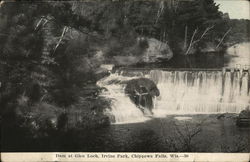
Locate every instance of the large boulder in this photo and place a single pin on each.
(126, 60)
(156, 51)
(243, 120)
(141, 92)
(145, 50)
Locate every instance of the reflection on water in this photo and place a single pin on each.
(199, 60)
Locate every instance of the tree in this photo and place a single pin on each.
(20, 49)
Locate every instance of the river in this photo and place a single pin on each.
(196, 111)
(202, 100)
(181, 92)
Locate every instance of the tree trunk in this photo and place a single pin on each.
(191, 42)
(185, 38)
(65, 29)
(223, 38)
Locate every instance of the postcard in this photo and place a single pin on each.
(125, 80)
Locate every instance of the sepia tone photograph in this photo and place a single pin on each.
(133, 76)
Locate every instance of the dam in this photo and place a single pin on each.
(182, 91)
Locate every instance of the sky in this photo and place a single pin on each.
(237, 9)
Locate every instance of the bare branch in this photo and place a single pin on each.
(38, 23)
(201, 37)
(203, 34)
(206, 30)
(65, 29)
(223, 37)
(45, 22)
(160, 10)
(191, 42)
(185, 37)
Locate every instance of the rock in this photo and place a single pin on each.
(101, 73)
(141, 92)
(221, 116)
(126, 60)
(245, 114)
(243, 120)
(108, 67)
(146, 50)
(156, 51)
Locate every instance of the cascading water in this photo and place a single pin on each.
(201, 92)
(181, 92)
(122, 108)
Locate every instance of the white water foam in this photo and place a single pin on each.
(122, 107)
(186, 92)
(181, 92)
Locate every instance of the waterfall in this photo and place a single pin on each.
(181, 92)
(201, 92)
(122, 108)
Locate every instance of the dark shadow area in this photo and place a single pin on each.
(199, 60)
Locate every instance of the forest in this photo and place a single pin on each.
(51, 54)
